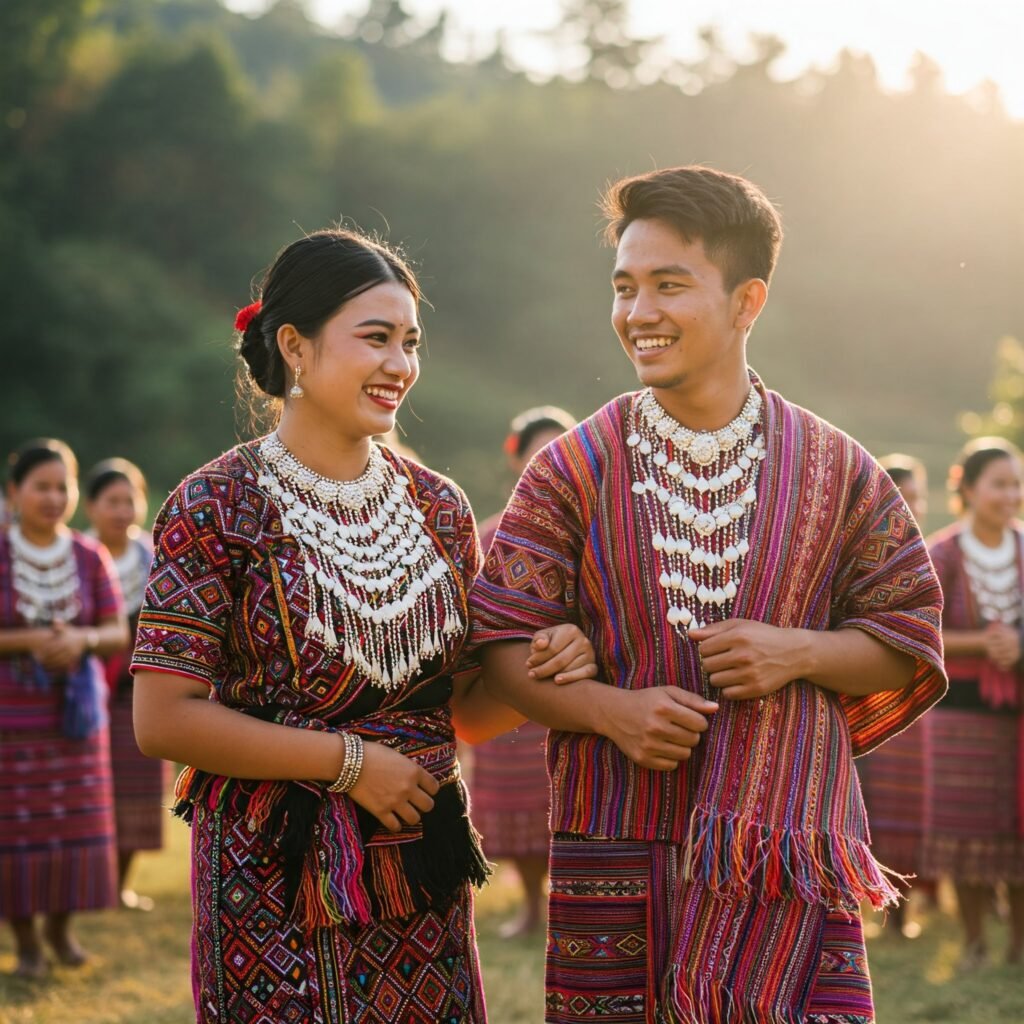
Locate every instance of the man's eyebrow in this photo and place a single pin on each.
(671, 270)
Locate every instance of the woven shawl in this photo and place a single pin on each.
(769, 810)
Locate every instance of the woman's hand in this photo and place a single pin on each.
(62, 649)
(393, 787)
(563, 652)
(1002, 645)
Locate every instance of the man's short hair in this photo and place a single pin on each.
(740, 229)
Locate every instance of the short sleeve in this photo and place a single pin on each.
(889, 589)
(184, 619)
(529, 578)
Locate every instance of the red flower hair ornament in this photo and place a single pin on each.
(247, 315)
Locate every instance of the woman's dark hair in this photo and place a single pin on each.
(902, 468)
(527, 425)
(974, 458)
(35, 453)
(310, 280)
(111, 471)
(740, 229)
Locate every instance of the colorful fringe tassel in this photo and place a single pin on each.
(740, 858)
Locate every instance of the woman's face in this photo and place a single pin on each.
(117, 508)
(915, 494)
(994, 498)
(46, 498)
(359, 370)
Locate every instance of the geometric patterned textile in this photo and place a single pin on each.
(251, 966)
(140, 783)
(972, 808)
(974, 746)
(609, 914)
(832, 546)
(768, 809)
(893, 782)
(227, 603)
(613, 910)
(57, 852)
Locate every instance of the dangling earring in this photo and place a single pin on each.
(296, 389)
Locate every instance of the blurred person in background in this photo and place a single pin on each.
(300, 648)
(60, 612)
(116, 506)
(510, 779)
(974, 819)
(892, 777)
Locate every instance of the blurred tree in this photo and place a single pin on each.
(203, 140)
(601, 28)
(1005, 418)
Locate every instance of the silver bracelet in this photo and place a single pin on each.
(353, 765)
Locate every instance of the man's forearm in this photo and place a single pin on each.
(582, 706)
(853, 662)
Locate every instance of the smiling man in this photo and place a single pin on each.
(763, 609)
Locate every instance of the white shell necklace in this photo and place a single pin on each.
(379, 589)
(993, 575)
(132, 573)
(700, 521)
(45, 579)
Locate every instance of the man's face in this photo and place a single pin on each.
(671, 311)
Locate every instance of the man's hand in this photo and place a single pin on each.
(657, 727)
(746, 659)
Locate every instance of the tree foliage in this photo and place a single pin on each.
(157, 154)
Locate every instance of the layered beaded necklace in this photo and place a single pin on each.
(379, 589)
(132, 573)
(994, 576)
(45, 579)
(699, 490)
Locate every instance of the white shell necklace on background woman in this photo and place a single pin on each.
(132, 573)
(699, 490)
(994, 576)
(379, 589)
(45, 579)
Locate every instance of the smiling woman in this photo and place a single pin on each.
(300, 647)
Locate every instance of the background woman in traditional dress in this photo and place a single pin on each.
(510, 778)
(59, 611)
(115, 502)
(974, 824)
(892, 777)
(300, 648)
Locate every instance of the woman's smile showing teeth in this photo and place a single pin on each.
(384, 395)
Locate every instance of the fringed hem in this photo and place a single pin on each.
(714, 1002)
(739, 858)
(333, 875)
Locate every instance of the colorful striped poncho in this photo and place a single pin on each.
(769, 807)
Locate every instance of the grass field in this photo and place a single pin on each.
(139, 973)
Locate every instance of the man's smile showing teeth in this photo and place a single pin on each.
(644, 344)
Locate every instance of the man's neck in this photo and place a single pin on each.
(707, 406)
